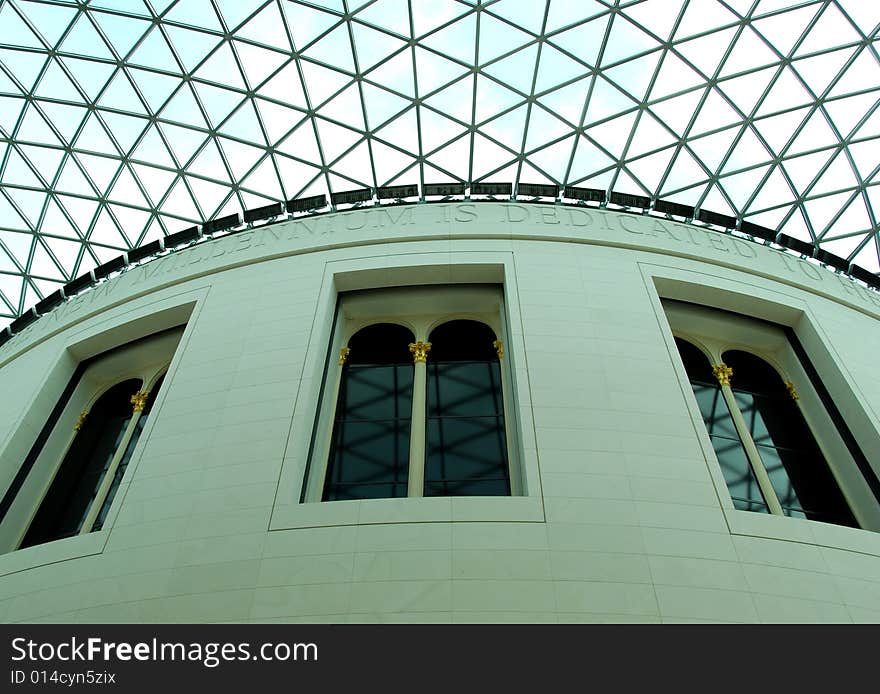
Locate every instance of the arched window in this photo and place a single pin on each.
(73, 491)
(738, 473)
(122, 466)
(797, 469)
(465, 439)
(369, 449)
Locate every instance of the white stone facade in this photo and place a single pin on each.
(624, 515)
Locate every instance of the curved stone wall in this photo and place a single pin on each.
(623, 514)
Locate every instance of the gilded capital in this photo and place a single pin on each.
(420, 351)
(723, 373)
(499, 348)
(343, 355)
(81, 420)
(792, 391)
(139, 400)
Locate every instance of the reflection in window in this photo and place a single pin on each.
(369, 451)
(79, 478)
(794, 462)
(466, 448)
(126, 456)
(738, 473)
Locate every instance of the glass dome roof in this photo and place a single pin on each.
(122, 121)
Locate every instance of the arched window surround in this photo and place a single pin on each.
(421, 310)
(146, 360)
(716, 333)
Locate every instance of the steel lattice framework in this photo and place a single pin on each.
(122, 121)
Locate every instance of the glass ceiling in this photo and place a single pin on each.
(122, 121)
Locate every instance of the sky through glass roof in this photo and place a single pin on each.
(122, 121)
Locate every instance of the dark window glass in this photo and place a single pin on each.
(797, 468)
(738, 473)
(123, 463)
(369, 449)
(66, 504)
(466, 447)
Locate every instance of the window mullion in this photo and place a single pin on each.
(723, 373)
(138, 401)
(416, 477)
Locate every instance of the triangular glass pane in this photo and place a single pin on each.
(402, 132)
(437, 130)
(83, 39)
(258, 63)
(286, 87)
(10, 288)
(864, 154)
(749, 53)
(741, 186)
(605, 101)
(372, 46)
(685, 172)
(130, 221)
(244, 125)
(634, 76)
(613, 134)
(650, 169)
(675, 76)
(34, 128)
(64, 117)
(456, 100)
(80, 210)
(321, 82)
(90, 75)
(716, 202)
(154, 52)
(389, 14)
(746, 90)
(222, 69)
(454, 158)
(218, 103)
(55, 84)
(381, 104)
(267, 28)
(784, 29)
(195, 13)
(498, 37)
(277, 119)
(294, 175)
(837, 176)
(555, 68)
(123, 32)
(346, 107)
(650, 135)
(676, 113)
(44, 159)
(488, 157)
(553, 160)
(625, 183)
(715, 113)
(846, 113)
(152, 149)
(241, 157)
(301, 143)
(66, 252)
(192, 47)
(126, 190)
(700, 17)
(210, 196)
(73, 180)
(120, 95)
(30, 202)
(264, 179)
(657, 16)
(180, 204)
(802, 170)
(815, 135)
(582, 42)
(18, 172)
(779, 130)
(568, 102)
(356, 165)
(822, 211)
(396, 75)
(749, 150)
(428, 16)
(457, 40)
(183, 141)
(774, 192)
(389, 162)
(50, 20)
(155, 181)
(543, 129)
(24, 66)
(306, 24)
(100, 169)
(528, 15)
(155, 88)
(492, 99)
(335, 139)
(333, 49)
(125, 129)
(94, 138)
(705, 53)
(820, 70)
(711, 149)
(509, 128)
(10, 110)
(831, 30)
(563, 12)
(107, 233)
(517, 70)
(209, 163)
(626, 40)
(864, 70)
(434, 71)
